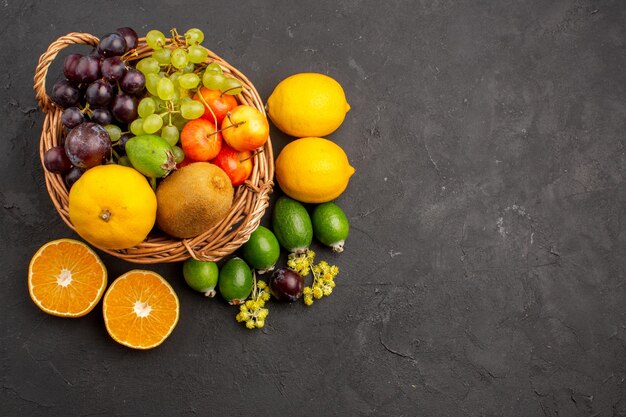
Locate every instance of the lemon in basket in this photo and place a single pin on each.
(308, 104)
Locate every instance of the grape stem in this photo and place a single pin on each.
(206, 105)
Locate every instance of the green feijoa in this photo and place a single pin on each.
(292, 225)
(262, 250)
(151, 155)
(330, 225)
(201, 276)
(235, 281)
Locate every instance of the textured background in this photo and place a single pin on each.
(485, 271)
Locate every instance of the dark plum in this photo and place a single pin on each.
(72, 117)
(65, 94)
(112, 44)
(133, 81)
(102, 116)
(123, 139)
(130, 36)
(69, 67)
(286, 285)
(113, 68)
(88, 69)
(72, 176)
(88, 145)
(99, 93)
(56, 161)
(124, 108)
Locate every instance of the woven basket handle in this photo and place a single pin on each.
(74, 38)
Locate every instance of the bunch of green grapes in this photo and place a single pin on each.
(173, 74)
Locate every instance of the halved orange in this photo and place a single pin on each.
(66, 278)
(140, 309)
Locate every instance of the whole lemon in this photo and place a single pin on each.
(313, 170)
(308, 104)
(112, 207)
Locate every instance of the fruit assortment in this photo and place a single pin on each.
(163, 140)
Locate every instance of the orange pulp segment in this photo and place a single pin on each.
(66, 278)
(140, 309)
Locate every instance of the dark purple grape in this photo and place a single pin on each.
(73, 175)
(88, 69)
(99, 93)
(55, 160)
(123, 139)
(102, 116)
(133, 81)
(88, 145)
(113, 68)
(124, 108)
(130, 36)
(69, 67)
(72, 117)
(65, 94)
(112, 44)
(286, 285)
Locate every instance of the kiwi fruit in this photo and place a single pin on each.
(193, 199)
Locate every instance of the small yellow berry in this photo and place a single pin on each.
(262, 314)
(327, 291)
(265, 296)
(250, 324)
(260, 323)
(308, 300)
(307, 290)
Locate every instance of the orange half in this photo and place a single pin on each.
(66, 278)
(140, 309)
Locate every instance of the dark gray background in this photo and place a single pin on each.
(485, 271)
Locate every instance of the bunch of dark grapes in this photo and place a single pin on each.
(99, 98)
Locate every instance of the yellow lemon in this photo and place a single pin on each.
(313, 170)
(308, 104)
(112, 207)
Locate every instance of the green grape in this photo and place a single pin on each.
(171, 134)
(212, 80)
(231, 86)
(160, 104)
(152, 81)
(152, 123)
(155, 39)
(124, 161)
(197, 54)
(146, 107)
(179, 58)
(163, 56)
(114, 132)
(165, 89)
(148, 66)
(190, 67)
(191, 109)
(174, 77)
(189, 81)
(137, 127)
(179, 155)
(179, 121)
(194, 36)
(214, 67)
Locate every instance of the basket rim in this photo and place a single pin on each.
(250, 201)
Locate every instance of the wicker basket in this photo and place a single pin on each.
(250, 201)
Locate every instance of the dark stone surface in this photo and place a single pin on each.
(485, 271)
